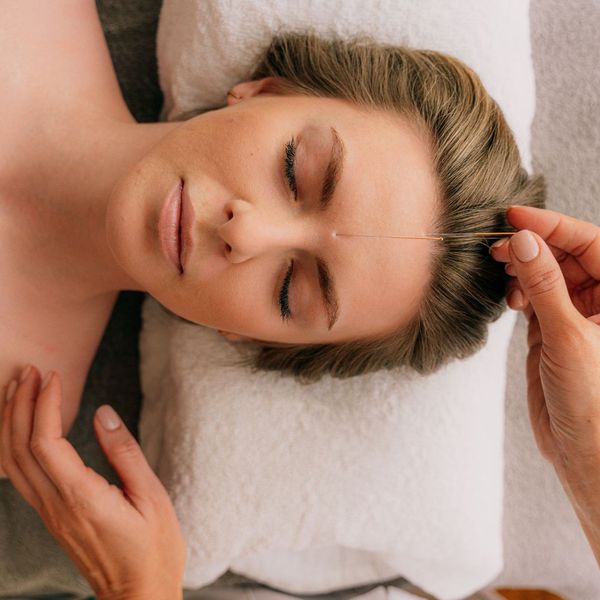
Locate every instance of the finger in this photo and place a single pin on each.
(14, 428)
(501, 252)
(56, 456)
(8, 463)
(529, 312)
(580, 239)
(574, 273)
(23, 449)
(140, 483)
(543, 283)
(515, 298)
(8, 388)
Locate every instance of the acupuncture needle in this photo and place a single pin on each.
(436, 236)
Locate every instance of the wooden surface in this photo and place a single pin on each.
(510, 594)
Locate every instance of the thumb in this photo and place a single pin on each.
(542, 281)
(126, 457)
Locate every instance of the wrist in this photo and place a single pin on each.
(580, 479)
(582, 476)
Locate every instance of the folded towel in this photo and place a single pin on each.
(331, 485)
(341, 483)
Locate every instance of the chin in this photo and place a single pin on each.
(131, 229)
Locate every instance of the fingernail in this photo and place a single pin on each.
(25, 372)
(108, 417)
(47, 379)
(499, 243)
(524, 246)
(516, 299)
(510, 269)
(10, 392)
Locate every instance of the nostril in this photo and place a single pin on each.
(228, 247)
(229, 214)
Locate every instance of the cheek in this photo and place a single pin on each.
(238, 299)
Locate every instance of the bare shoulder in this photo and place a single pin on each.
(56, 52)
(54, 64)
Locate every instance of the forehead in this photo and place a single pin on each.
(388, 187)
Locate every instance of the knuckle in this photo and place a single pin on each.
(79, 499)
(39, 448)
(20, 454)
(54, 522)
(127, 447)
(77, 503)
(560, 255)
(542, 281)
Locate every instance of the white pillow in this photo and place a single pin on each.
(205, 47)
(344, 482)
(335, 484)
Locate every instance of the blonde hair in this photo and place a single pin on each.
(479, 173)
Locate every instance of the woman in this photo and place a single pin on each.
(326, 137)
(421, 147)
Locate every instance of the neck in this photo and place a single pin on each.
(62, 197)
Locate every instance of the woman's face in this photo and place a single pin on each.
(249, 226)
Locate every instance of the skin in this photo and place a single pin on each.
(88, 196)
(232, 161)
(557, 272)
(86, 182)
(96, 225)
(247, 224)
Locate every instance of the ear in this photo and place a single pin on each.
(234, 337)
(248, 89)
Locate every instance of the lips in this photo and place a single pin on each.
(187, 219)
(169, 225)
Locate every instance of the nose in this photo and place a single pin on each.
(252, 230)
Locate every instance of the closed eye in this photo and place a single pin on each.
(283, 294)
(289, 167)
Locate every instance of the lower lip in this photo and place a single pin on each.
(169, 226)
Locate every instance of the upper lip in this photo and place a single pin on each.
(185, 226)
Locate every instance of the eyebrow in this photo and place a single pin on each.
(333, 173)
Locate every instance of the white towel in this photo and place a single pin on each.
(342, 483)
(337, 484)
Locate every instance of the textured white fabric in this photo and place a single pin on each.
(341, 483)
(336, 484)
(204, 47)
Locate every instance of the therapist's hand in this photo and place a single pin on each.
(561, 299)
(127, 543)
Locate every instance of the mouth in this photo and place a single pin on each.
(185, 232)
(169, 226)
